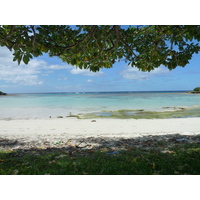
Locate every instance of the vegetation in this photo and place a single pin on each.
(141, 114)
(95, 47)
(197, 89)
(180, 159)
(2, 93)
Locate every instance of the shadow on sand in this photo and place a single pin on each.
(109, 144)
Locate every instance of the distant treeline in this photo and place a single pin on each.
(195, 91)
(3, 93)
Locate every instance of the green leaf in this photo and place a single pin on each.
(19, 59)
(26, 59)
(15, 58)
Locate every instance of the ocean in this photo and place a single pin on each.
(43, 105)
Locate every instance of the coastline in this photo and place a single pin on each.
(44, 133)
(46, 113)
(43, 121)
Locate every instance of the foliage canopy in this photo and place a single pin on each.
(94, 47)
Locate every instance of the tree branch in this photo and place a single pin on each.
(80, 41)
(34, 36)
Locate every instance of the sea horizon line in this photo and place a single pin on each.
(101, 92)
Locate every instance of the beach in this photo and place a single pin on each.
(62, 119)
(54, 132)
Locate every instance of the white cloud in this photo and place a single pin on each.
(19, 74)
(60, 79)
(56, 67)
(135, 74)
(86, 72)
(23, 74)
(89, 80)
(31, 74)
(69, 88)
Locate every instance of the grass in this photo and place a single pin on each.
(180, 159)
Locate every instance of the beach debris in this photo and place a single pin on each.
(167, 151)
(153, 166)
(181, 139)
(53, 161)
(15, 172)
(57, 143)
(110, 145)
(6, 142)
(115, 152)
(59, 116)
(93, 120)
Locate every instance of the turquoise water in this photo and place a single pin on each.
(41, 105)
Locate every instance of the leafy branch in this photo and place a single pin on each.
(93, 47)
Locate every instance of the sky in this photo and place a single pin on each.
(50, 74)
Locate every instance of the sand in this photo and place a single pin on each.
(86, 127)
(38, 131)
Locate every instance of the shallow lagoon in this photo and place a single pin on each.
(193, 111)
(62, 104)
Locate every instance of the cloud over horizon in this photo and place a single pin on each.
(86, 72)
(135, 74)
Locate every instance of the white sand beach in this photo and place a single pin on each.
(94, 127)
(63, 129)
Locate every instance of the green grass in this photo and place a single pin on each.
(179, 159)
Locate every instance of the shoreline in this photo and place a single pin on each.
(46, 113)
(43, 133)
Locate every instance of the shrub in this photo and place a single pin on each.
(197, 89)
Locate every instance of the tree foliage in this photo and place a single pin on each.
(197, 89)
(94, 47)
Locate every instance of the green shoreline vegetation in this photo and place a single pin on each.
(167, 112)
(195, 91)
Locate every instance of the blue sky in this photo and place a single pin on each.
(45, 74)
